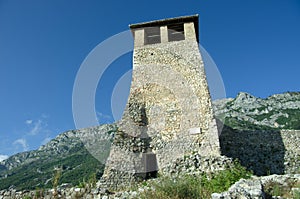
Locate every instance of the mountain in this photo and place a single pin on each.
(247, 112)
(69, 154)
(66, 153)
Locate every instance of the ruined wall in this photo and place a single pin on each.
(263, 152)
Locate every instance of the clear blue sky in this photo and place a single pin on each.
(255, 44)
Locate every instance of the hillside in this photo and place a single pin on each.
(32, 169)
(247, 112)
(35, 169)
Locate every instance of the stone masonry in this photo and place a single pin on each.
(169, 111)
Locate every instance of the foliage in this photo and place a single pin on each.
(38, 174)
(197, 186)
(234, 123)
(284, 190)
(292, 121)
(56, 177)
(39, 193)
(55, 180)
(88, 183)
(93, 180)
(261, 117)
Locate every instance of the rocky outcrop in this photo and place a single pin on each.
(280, 111)
(274, 186)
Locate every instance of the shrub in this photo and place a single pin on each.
(273, 189)
(196, 186)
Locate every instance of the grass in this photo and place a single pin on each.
(284, 190)
(196, 186)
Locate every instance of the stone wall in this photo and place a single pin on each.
(264, 152)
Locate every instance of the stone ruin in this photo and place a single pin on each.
(169, 111)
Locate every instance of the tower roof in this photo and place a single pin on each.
(170, 21)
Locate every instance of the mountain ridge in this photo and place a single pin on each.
(268, 113)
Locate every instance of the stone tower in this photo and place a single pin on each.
(169, 112)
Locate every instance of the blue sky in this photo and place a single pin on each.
(255, 44)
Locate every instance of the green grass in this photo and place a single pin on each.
(196, 186)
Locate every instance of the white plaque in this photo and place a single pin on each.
(196, 130)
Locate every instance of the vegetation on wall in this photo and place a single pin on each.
(196, 186)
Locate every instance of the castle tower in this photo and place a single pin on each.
(169, 111)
